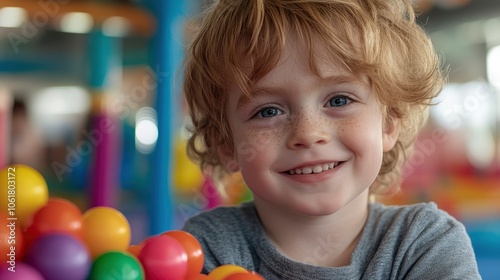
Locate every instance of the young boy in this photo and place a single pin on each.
(317, 104)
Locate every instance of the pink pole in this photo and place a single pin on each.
(105, 165)
(5, 125)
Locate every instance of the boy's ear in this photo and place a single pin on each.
(390, 133)
(226, 155)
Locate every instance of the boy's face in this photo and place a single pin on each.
(307, 144)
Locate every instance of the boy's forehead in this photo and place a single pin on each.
(328, 66)
(314, 55)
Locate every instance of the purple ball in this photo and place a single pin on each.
(21, 271)
(59, 256)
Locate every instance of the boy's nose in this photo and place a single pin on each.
(305, 133)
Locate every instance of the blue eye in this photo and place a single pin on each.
(339, 101)
(269, 112)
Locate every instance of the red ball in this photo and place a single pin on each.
(192, 248)
(163, 258)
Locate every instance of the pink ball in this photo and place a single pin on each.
(163, 258)
(22, 272)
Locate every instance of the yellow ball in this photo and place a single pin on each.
(187, 176)
(223, 271)
(23, 191)
(105, 229)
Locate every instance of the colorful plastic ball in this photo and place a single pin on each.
(58, 215)
(116, 266)
(187, 176)
(199, 277)
(193, 249)
(244, 276)
(163, 258)
(59, 256)
(105, 229)
(22, 272)
(22, 189)
(10, 235)
(223, 271)
(135, 249)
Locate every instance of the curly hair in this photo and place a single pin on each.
(242, 40)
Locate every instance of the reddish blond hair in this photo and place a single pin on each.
(376, 38)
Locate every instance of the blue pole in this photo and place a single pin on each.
(168, 56)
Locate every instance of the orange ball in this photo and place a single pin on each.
(223, 271)
(135, 249)
(58, 215)
(244, 276)
(192, 248)
(105, 229)
(199, 277)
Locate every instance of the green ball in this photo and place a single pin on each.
(116, 266)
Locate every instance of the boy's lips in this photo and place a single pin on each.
(313, 168)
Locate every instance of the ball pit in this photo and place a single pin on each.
(52, 239)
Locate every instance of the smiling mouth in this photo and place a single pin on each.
(315, 169)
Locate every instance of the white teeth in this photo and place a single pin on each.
(307, 170)
(317, 169)
(314, 169)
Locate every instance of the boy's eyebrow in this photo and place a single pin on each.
(245, 99)
(260, 91)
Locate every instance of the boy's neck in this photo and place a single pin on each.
(323, 241)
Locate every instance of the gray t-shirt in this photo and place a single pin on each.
(397, 242)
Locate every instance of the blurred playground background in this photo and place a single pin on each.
(90, 97)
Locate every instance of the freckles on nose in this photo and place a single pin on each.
(303, 123)
(305, 128)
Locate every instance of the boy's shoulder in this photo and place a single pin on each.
(413, 215)
(412, 240)
(414, 222)
(423, 208)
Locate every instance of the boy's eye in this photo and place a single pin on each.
(339, 101)
(269, 112)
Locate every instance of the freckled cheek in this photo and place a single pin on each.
(265, 136)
